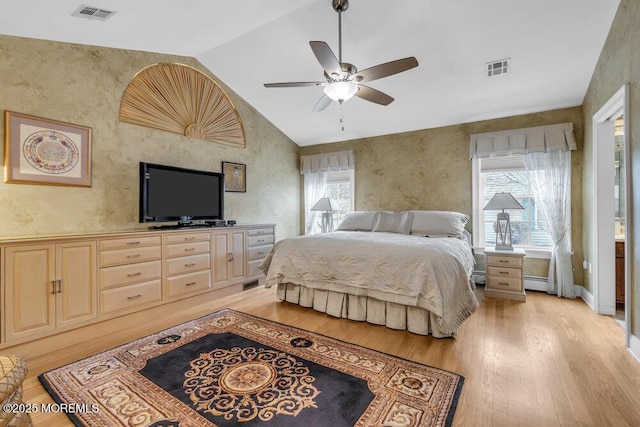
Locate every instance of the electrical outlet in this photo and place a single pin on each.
(584, 264)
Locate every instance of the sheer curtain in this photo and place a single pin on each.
(550, 177)
(314, 186)
(314, 167)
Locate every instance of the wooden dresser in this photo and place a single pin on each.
(505, 278)
(54, 284)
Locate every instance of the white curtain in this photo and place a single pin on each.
(314, 167)
(314, 186)
(550, 177)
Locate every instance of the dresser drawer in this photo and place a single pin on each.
(259, 252)
(130, 242)
(259, 231)
(504, 261)
(501, 272)
(111, 277)
(113, 300)
(129, 255)
(191, 248)
(187, 283)
(266, 239)
(253, 268)
(187, 264)
(187, 237)
(504, 284)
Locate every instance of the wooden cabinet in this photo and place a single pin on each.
(227, 254)
(504, 278)
(620, 272)
(49, 287)
(130, 273)
(51, 284)
(259, 242)
(187, 264)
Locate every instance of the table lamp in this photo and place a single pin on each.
(502, 201)
(327, 206)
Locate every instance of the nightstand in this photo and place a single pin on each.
(505, 278)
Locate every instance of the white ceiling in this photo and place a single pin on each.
(553, 46)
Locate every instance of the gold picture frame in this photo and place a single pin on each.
(235, 177)
(46, 152)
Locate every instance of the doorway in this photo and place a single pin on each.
(607, 220)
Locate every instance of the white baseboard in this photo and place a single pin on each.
(634, 346)
(588, 298)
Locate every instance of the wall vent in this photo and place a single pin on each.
(91, 12)
(497, 68)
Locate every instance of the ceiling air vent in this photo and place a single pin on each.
(496, 68)
(91, 12)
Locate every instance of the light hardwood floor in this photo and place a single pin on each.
(545, 362)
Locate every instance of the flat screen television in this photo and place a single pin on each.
(169, 193)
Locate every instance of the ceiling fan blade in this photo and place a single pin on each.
(373, 95)
(322, 103)
(327, 59)
(294, 84)
(386, 69)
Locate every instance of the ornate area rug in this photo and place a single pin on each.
(231, 368)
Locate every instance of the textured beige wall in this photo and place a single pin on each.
(83, 85)
(619, 63)
(430, 169)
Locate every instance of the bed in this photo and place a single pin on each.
(406, 270)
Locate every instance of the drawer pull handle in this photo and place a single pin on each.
(503, 283)
(190, 283)
(134, 274)
(230, 256)
(504, 260)
(134, 297)
(190, 249)
(260, 240)
(133, 243)
(190, 238)
(133, 256)
(191, 264)
(261, 253)
(504, 272)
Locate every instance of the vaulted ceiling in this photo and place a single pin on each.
(553, 46)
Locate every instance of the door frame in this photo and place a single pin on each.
(602, 208)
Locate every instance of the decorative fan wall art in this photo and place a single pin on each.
(180, 99)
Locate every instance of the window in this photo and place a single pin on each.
(506, 174)
(339, 187)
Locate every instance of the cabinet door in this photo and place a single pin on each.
(228, 257)
(76, 269)
(220, 257)
(236, 264)
(29, 290)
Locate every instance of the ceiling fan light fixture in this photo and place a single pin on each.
(341, 91)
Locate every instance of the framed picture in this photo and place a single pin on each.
(43, 151)
(235, 177)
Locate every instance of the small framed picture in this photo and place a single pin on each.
(235, 177)
(48, 152)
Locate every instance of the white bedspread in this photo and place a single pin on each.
(431, 273)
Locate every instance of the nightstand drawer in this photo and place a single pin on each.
(503, 272)
(504, 284)
(504, 260)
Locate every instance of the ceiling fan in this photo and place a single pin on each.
(343, 79)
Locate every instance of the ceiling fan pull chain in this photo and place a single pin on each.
(341, 117)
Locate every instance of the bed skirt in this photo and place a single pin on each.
(362, 308)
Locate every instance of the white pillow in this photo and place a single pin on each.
(358, 221)
(393, 222)
(438, 223)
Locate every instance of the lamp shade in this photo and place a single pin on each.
(341, 91)
(326, 205)
(502, 201)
